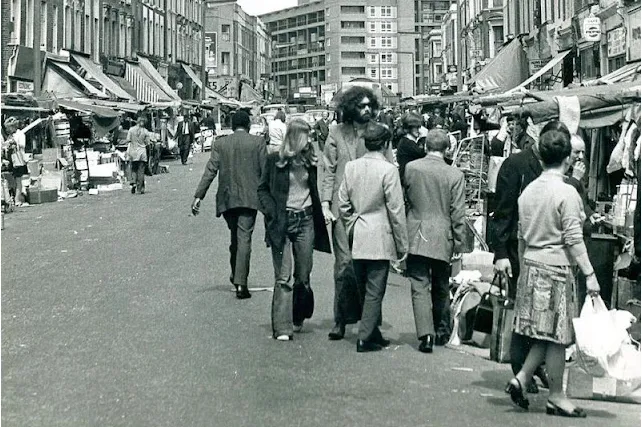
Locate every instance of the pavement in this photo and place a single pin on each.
(117, 311)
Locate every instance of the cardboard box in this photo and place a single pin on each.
(38, 195)
(580, 385)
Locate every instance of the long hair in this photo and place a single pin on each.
(296, 146)
(352, 97)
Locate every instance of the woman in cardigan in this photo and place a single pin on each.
(289, 200)
(551, 250)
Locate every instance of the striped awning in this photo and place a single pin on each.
(79, 81)
(155, 76)
(94, 71)
(146, 89)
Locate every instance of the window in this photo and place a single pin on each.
(225, 33)
(352, 9)
(386, 27)
(386, 42)
(373, 42)
(373, 73)
(54, 38)
(386, 73)
(353, 25)
(386, 58)
(361, 71)
(386, 11)
(352, 40)
(372, 12)
(437, 18)
(353, 55)
(373, 58)
(373, 27)
(436, 49)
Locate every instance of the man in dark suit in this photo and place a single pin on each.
(240, 159)
(185, 136)
(322, 128)
(436, 211)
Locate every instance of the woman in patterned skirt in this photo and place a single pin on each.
(552, 250)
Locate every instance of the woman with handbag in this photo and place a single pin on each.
(295, 226)
(372, 207)
(551, 250)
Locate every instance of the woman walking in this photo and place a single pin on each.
(551, 250)
(276, 132)
(295, 226)
(371, 206)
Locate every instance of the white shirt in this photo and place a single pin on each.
(277, 131)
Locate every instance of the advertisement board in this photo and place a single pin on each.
(210, 50)
(616, 42)
(633, 37)
(592, 29)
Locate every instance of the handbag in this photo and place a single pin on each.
(302, 302)
(502, 331)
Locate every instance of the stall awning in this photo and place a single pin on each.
(64, 72)
(249, 94)
(157, 78)
(146, 89)
(128, 107)
(209, 93)
(505, 71)
(553, 62)
(630, 72)
(192, 75)
(93, 70)
(103, 119)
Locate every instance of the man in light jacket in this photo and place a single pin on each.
(436, 228)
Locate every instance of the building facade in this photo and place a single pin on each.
(319, 45)
(238, 49)
(429, 15)
(109, 32)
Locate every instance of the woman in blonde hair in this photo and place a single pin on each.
(295, 226)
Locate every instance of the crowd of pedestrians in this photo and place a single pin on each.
(413, 211)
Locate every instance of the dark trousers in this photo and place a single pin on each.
(347, 304)
(240, 221)
(429, 283)
(520, 345)
(184, 149)
(297, 253)
(372, 277)
(138, 175)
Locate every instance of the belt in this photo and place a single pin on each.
(295, 213)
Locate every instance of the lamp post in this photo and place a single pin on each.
(203, 70)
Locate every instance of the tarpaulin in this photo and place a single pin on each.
(103, 119)
(505, 71)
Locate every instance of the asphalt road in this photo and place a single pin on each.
(117, 311)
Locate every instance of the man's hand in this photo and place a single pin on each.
(592, 286)
(327, 213)
(579, 169)
(503, 266)
(196, 206)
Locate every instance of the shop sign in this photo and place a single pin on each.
(616, 42)
(331, 87)
(633, 36)
(592, 29)
(535, 65)
(24, 87)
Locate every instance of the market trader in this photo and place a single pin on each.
(240, 159)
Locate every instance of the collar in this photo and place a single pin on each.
(553, 173)
(436, 157)
(374, 155)
(411, 137)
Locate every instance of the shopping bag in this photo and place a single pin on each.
(600, 336)
(502, 331)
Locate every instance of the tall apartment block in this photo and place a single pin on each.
(319, 45)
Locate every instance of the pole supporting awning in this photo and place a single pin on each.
(552, 63)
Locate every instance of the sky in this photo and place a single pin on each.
(258, 7)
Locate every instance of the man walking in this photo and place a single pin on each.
(240, 159)
(322, 127)
(436, 229)
(344, 143)
(185, 136)
(138, 140)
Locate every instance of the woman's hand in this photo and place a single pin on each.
(592, 286)
(327, 213)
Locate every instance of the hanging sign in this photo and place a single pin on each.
(592, 29)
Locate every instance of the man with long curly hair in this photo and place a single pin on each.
(358, 106)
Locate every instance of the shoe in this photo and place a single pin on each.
(133, 189)
(532, 388)
(553, 409)
(298, 327)
(366, 346)
(283, 337)
(514, 388)
(243, 293)
(442, 339)
(542, 374)
(142, 191)
(379, 339)
(338, 332)
(425, 345)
